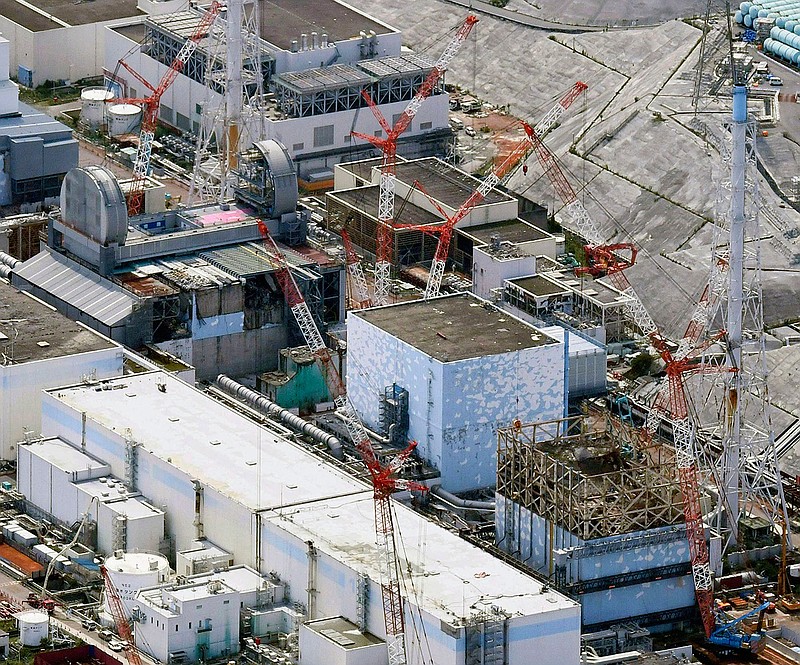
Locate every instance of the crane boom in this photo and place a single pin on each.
(383, 476)
(150, 106)
(121, 622)
(358, 282)
(388, 146)
(436, 274)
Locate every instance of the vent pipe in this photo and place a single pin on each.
(263, 404)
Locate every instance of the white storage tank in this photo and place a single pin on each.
(94, 106)
(33, 627)
(123, 119)
(131, 571)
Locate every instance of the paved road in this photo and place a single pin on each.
(523, 19)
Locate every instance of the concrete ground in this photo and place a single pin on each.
(647, 168)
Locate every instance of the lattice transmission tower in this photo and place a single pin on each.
(232, 117)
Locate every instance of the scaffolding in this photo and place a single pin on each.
(571, 472)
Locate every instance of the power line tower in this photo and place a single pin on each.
(232, 117)
(746, 471)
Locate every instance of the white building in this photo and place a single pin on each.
(42, 349)
(199, 619)
(62, 40)
(279, 509)
(65, 482)
(316, 57)
(468, 367)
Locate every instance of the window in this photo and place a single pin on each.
(190, 625)
(151, 619)
(348, 138)
(297, 147)
(378, 133)
(183, 122)
(395, 118)
(323, 136)
(166, 114)
(176, 627)
(198, 109)
(425, 125)
(226, 602)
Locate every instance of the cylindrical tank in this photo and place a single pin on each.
(748, 21)
(131, 571)
(93, 105)
(33, 627)
(745, 7)
(123, 119)
(738, 16)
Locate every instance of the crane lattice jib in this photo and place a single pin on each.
(121, 622)
(384, 480)
(555, 113)
(388, 146)
(432, 79)
(141, 163)
(357, 278)
(491, 181)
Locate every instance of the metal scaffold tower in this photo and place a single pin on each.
(747, 467)
(232, 119)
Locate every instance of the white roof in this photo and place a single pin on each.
(240, 578)
(452, 577)
(64, 457)
(132, 507)
(208, 441)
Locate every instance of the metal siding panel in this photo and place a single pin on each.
(27, 158)
(60, 156)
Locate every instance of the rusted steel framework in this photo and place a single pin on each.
(575, 478)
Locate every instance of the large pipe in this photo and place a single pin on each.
(458, 502)
(267, 406)
(5, 272)
(8, 260)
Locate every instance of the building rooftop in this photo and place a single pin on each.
(79, 286)
(445, 183)
(239, 578)
(539, 286)
(66, 12)
(30, 330)
(207, 440)
(512, 230)
(119, 499)
(65, 457)
(31, 121)
(455, 327)
(457, 578)
(343, 633)
(365, 199)
(283, 21)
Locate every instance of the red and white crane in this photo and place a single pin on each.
(121, 622)
(489, 183)
(383, 476)
(150, 106)
(388, 146)
(611, 261)
(359, 293)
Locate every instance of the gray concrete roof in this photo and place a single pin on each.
(31, 330)
(67, 11)
(284, 20)
(455, 327)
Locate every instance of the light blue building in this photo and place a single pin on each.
(468, 369)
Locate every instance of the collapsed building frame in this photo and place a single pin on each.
(591, 495)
